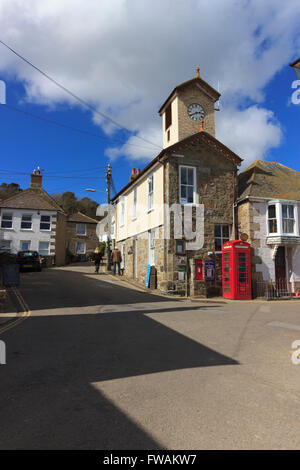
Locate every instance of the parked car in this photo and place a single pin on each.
(29, 260)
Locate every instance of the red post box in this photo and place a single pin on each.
(236, 270)
(199, 270)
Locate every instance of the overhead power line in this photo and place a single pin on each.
(80, 100)
(67, 126)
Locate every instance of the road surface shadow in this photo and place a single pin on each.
(46, 392)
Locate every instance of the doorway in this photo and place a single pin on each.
(280, 269)
(135, 257)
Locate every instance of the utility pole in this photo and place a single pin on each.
(108, 181)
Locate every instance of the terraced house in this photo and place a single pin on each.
(32, 220)
(193, 169)
(268, 209)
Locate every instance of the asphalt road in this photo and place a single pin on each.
(100, 365)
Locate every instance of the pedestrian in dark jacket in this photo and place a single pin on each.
(97, 259)
(116, 259)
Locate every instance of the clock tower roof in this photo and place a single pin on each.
(206, 88)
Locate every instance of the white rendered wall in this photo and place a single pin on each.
(35, 235)
(267, 268)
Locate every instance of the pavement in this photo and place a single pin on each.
(102, 365)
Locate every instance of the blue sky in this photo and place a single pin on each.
(126, 67)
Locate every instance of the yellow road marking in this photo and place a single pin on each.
(26, 312)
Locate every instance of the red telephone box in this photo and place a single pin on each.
(236, 270)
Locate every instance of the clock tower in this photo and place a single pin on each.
(189, 108)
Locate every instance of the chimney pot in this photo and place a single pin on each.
(132, 176)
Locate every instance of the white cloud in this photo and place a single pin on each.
(125, 57)
(251, 133)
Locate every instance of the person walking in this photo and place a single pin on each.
(97, 259)
(116, 259)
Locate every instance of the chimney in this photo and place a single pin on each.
(36, 179)
(138, 171)
(132, 176)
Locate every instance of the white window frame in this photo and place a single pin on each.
(11, 217)
(151, 245)
(25, 241)
(288, 218)
(43, 222)
(3, 249)
(279, 203)
(276, 216)
(79, 232)
(122, 212)
(134, 203)
(181, 200)
(84, 247)
(150, 192)
(26, 221)
(222, 238)
(43, 251)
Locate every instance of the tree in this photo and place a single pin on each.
(87, 206)
(7, 190)
(70, 204)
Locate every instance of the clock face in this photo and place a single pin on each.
(196, 112)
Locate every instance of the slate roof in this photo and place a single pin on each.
(31, 198)
(186, 143)
(269, 179)
(79, 217)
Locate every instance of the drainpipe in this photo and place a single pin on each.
(233, 205)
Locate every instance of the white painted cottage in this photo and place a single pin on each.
(32, 220)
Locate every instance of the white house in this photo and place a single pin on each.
(32, 220)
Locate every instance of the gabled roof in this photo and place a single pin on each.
(296, 63)
(270, 180)
(196, 80)
(31, 198)
(186, 143)
(79, 217)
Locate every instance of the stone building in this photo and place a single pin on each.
(32, 220)
(194, 176)
(268, 210)
(81, 236)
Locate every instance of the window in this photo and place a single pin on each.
(5, 246)
(134, 203)
(26, 222)
(80, 248)
(81, 229)
(44, 248)
(288, 219)
(282, 218)
(222, 235)
(122, 212)
(45, 223)
(6, 221)
(25, 245)
(272, 220)
(180, 246)
(168, 116)
(151, 247)
(187, 184)
(150, 192)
